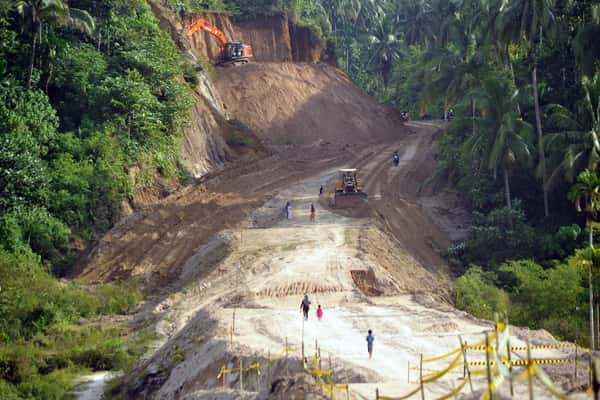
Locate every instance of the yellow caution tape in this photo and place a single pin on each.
(523, 362)
(523, 348)
(455, 391)
(437, 358)
(556, 392)
(417, 390)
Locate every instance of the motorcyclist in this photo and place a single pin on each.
(396, 158)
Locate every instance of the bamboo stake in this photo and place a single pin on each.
(468, 371)
(529, 372)
(421, 378)
(268, 377)
(488, 366)
(510, 368)
(241, 375)
(319, 358)
(408, 373)
(286, 357)
(575, 377)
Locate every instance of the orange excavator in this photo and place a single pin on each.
(231, 52)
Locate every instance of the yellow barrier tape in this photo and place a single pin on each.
(522, 362)
(417, 390)
(336, 385)
(437, 358)
(455, 391)
(556, 392)
(522, 348)
(443, 372)
(478, 345)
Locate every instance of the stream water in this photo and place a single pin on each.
(92, 386)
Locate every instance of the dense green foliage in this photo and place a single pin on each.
(88, 92)
(521, 81)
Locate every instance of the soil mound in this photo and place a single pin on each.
(289, 103)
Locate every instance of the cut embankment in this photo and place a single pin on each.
(288, 103)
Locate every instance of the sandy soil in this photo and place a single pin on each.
(375, 272)
(222, 248)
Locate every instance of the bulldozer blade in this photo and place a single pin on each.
(350, 200)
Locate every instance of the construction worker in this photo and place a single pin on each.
(312, 212)
(305, 306)
(370, 340)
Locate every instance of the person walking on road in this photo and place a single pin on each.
(319, 312)
(321, 190)
(288, 210)
(312, 212)
(305, 306)
(370, 340)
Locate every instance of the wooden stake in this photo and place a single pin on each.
(510, 369)
(421, 378)
(268, 377)
(241, 375)
(233, 322)
(575, 377)
(286, 357)
(408, 372)
(488, 366)
(347, 382)
(376, 393)
(319, 358)
(529, 374)
(466, 368)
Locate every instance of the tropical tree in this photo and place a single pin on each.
(586, 196)
(531, 20)
(387, 46)
(36, 12)
(501, 139)
(579, 148)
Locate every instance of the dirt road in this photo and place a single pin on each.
(378, 272)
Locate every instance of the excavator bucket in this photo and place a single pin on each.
(348, 190)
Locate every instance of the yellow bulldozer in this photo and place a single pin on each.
(348, 190)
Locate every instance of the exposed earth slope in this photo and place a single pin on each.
(225, 271)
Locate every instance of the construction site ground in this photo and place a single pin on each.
(379, 270)
(225, 271)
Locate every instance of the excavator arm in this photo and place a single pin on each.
(203, 24)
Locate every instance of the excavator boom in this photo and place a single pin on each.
(203, 24)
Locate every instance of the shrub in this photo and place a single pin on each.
(477, 294)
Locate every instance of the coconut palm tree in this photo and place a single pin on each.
(387, 45)
(586, 196)
(531, 20)
(36, 12)
(579, 148)
(502, 138)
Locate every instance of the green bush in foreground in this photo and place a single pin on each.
(47, 331)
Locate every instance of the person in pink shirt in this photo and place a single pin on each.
(319, 312)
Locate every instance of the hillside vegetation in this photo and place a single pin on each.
(94, 97)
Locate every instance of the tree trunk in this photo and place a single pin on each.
(591, 294)
(32, 57)
(507, 188)
(473, 116)
(538, 124)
